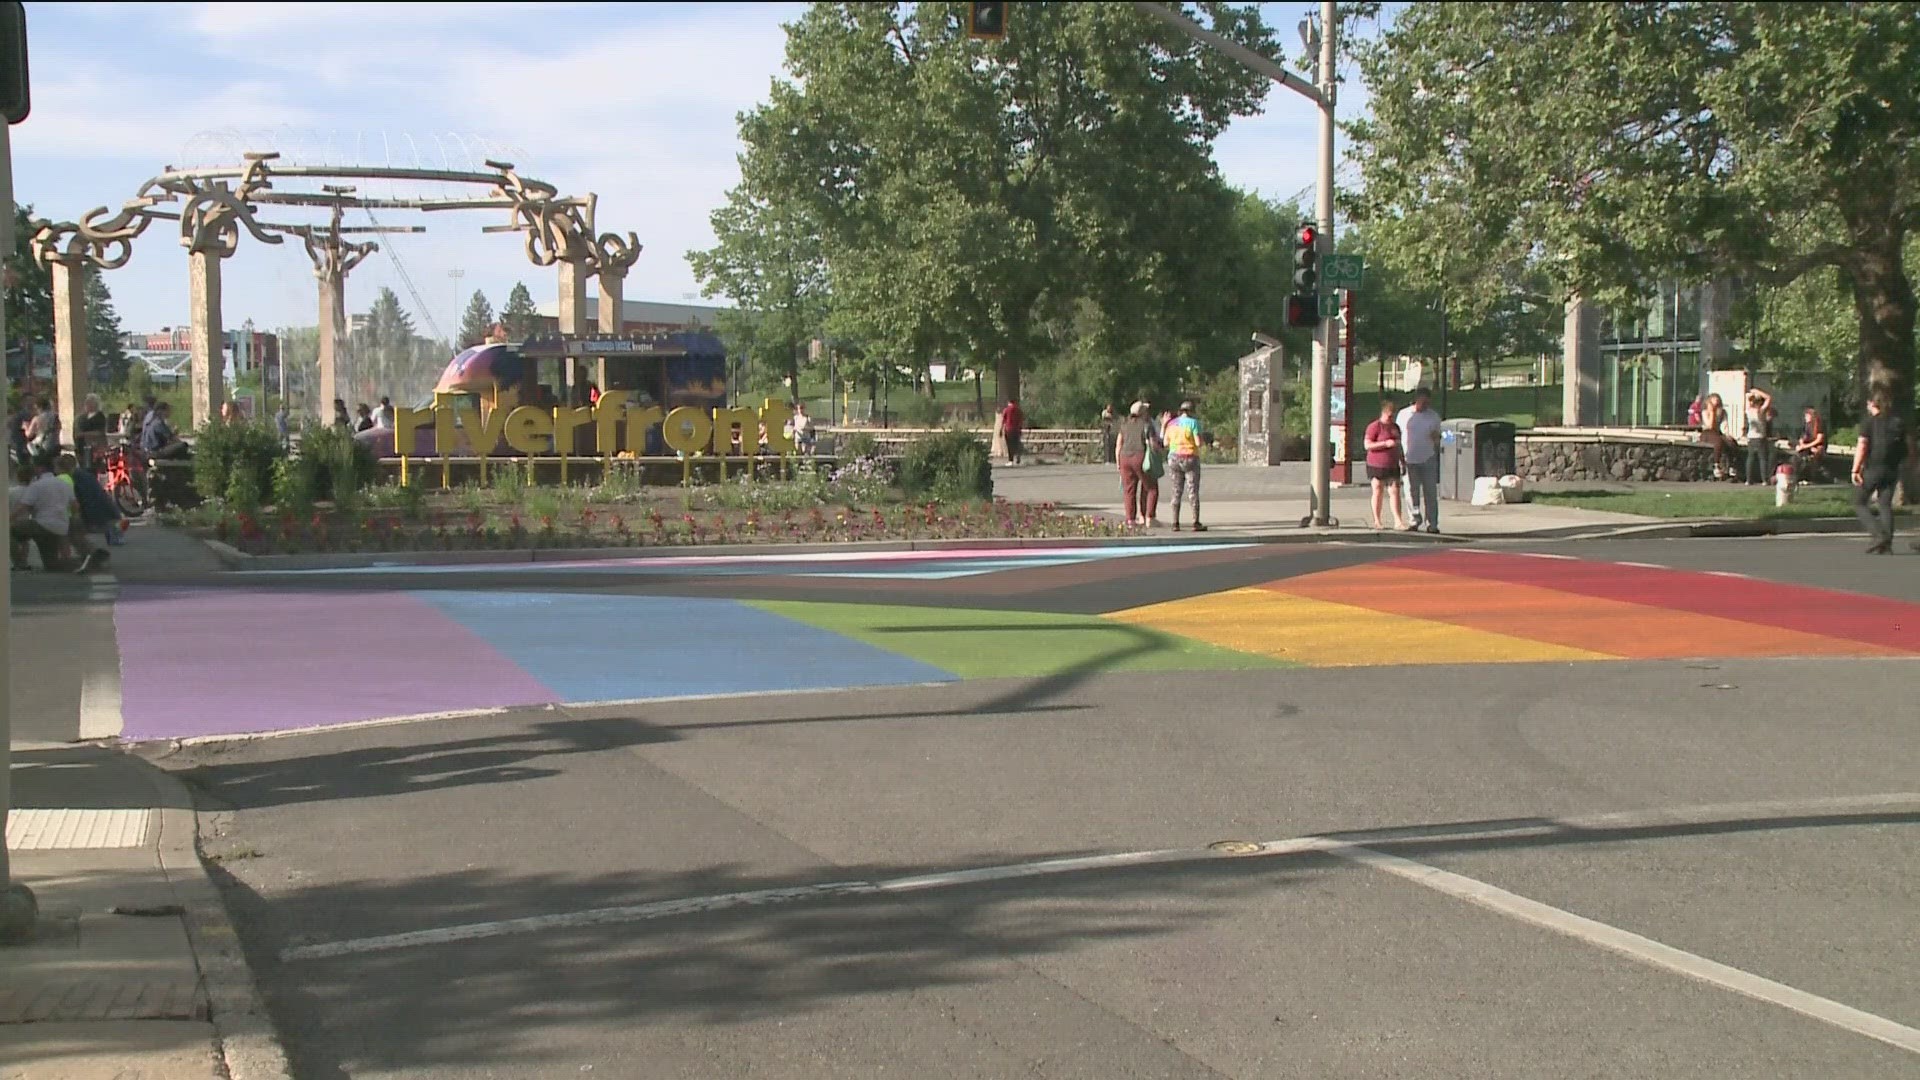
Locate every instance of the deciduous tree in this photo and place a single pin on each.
(1617, 143)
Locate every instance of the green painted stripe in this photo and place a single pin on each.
(973, 643)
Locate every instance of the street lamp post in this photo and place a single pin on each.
(453, 335)
(1323, 96)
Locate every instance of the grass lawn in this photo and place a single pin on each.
(1746, 505)
(982, 644)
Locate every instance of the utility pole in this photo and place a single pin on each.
(453, 336)
(18, 910)
(1322, 95)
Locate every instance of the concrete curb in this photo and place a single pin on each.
(234, 559)
(248, 1046)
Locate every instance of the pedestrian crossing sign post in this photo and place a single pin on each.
(1329, 305)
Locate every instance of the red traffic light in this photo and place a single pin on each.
(1308, 236)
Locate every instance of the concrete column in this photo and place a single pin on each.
(70, 362)
(573, 313)
(208, 335)
(1580, 350)
(613, 287)
(333, 324)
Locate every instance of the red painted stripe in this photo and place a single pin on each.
(1873, 619)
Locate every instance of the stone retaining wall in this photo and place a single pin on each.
(1560, 458)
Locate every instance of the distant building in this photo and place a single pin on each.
(640, 316)
(167, 353)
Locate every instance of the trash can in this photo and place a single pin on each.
(1471, 449)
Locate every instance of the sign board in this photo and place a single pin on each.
(551, 346)
(1329, 305)
(1343, 271)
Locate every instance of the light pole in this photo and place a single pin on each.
(453, 335)
(1323, 96)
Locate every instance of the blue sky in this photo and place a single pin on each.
(633, 101)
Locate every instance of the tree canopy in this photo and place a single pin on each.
(519, 314)
(1610, 144)
(476, 322)
(105, 345)
(966, 197)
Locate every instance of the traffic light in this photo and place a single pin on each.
(15, 102)
(1303, 307)
(987, 21)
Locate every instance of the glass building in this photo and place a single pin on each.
(1651, 357)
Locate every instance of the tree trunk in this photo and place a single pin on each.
(979, 392)
(1883, 298)
(1007, 372)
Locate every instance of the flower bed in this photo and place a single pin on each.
(852, 506)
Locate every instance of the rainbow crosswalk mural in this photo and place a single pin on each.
(1477, 607)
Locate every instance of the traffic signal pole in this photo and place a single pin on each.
(1323, 340)
(1322, 95)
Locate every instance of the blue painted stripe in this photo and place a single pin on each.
(589, 647)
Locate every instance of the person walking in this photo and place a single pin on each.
(1759, 436)
(1135, 442)
(1878, 453)
(1183, 462)
(1012, 422)
(1385, 464)
(1419, 425)
(1107, 431)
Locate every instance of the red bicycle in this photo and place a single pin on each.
(126, 480)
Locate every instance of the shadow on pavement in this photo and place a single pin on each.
(501, 1000)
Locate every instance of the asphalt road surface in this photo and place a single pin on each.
(1283, 812)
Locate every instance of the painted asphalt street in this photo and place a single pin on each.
(1522, 816)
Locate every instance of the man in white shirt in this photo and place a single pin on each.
(42, 513)
(1420, 438)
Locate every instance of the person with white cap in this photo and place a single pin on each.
(1183, 462)
(1134, 439)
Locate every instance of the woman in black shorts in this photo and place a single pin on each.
(1385, 464)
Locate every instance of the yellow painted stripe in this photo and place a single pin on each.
(1324, 634)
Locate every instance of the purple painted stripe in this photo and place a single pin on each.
(225, 661)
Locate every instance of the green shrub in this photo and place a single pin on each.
(293, 487)
(340, 465)
(857, 445)
(235, 462)
(952, 467)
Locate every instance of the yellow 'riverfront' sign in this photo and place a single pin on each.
(536, 431)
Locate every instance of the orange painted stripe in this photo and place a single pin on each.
(1616, 627)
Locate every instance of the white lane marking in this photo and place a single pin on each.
(1699, 815)
(535, 706)
(1644, 565)
(1544, 555)
(100, 715)
(1635, 947)
(1728, 573)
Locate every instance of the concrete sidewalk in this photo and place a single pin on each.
(1241, 500)
(134, 970)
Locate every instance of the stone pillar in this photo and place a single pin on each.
(1260, 406)
(573, 315)
(208, 336)
(333, 324)
(70, 361)
(1580, 352)
(613, 287)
